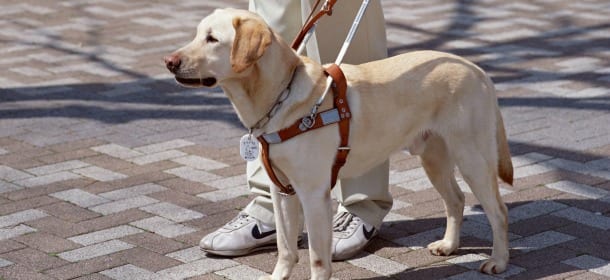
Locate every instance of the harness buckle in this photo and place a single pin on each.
(308, 121)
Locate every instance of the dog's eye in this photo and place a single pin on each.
(210, 39)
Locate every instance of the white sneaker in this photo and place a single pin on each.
(350, 235)
(240, 236)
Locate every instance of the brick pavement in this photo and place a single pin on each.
(108, 170)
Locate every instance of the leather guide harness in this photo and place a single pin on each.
(339, 114)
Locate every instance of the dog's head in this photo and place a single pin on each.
(228, 42)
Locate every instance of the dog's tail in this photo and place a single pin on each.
(505, 165)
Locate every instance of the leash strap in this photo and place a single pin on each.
(327, 9)
(339, 114)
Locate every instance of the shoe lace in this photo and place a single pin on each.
(345, 223)
(238, 221)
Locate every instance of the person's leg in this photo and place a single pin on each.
(363, 201)
(254, 227)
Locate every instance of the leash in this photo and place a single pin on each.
(339, 114)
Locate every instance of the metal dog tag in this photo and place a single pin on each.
(248, 147)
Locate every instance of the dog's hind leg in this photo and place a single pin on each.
(478, 167)
(288, 224)
(439, 167)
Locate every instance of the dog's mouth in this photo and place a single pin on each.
(203, 82)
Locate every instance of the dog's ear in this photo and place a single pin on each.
(252, 38)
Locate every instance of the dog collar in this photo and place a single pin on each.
(276, 106)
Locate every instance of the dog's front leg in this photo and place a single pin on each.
(318, 219)
(288, 224)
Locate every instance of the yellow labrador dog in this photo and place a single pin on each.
(438, 105)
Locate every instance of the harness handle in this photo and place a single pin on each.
(327, 9)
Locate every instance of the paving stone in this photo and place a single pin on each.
(8, 187)
(225, 194)
(188, 255)
(134, 191)
(585, 217)
(540, 241)
(36, 260)
(130, 272)
(230, 182)
(196, 268)
(241, 272)
(12, 232)
(104, 235)
(80, 197)
(85, 267)
(46, 242)
(192, 174)
(156, 157)
(147, 259)
(10, 174)
(200, 163)
(590, 263)
(473, 262)
(47, 179)
(122, 205)
(164, 146)
(378, 264)
(172, 212)
(579, 189)
(118, 151)
(163, 227)
(57, 167)
(534, 209)
(4, 263)
(154, 242)
(22, 272)
(21, 217)
(99, 174)
(96, 250)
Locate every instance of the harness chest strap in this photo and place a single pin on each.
(339, 114)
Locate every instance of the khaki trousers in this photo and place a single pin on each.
(366, 196)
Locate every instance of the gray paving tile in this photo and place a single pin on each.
(104, 235)
(134, 191)
(172, 212)
(196, 268)
(188, 255)
(579, 189)
(99, 174)
(540, 241)
(21, 217)
(163, 227)
(80, 197)
(11, 232)
(122, 205)
(96, 250)
(131, 272)
(240, 272)
(57, 167)
(590, 263)
(47, 179)
(379, 265)
(596, 220)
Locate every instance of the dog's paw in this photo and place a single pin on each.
(493, 266)
(442, 247)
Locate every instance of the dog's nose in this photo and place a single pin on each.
(172, 62)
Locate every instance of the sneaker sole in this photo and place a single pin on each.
(237, 253)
